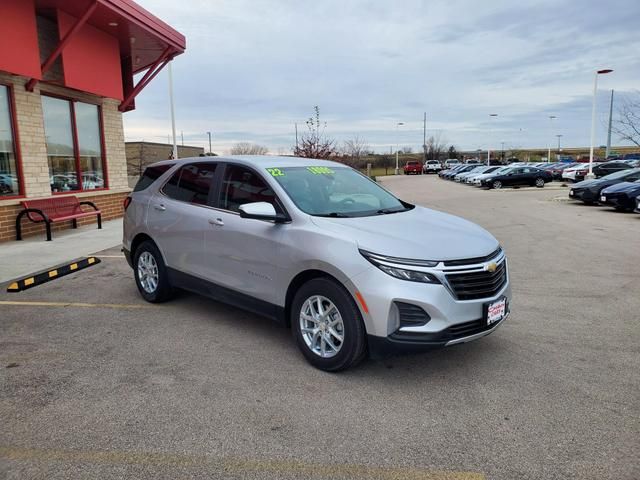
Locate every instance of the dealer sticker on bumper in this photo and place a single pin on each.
(496, 311)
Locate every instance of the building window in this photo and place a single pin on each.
(74, 146)
(9, 178)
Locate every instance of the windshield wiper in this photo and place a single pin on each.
(332, 214)
(387, 211)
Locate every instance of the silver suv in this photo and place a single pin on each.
(321, 248)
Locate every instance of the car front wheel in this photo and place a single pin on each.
(539, 182)
(497, 184)
(327, 326)
(151, 273)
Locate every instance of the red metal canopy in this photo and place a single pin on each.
(92, 31)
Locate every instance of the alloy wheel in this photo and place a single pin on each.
(321, 326)
(148, 272)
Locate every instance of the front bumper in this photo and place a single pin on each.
(380, 347)
(619, 200)
(451, 320)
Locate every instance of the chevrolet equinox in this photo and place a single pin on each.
(316, 245)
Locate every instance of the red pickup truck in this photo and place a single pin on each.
(413, 168)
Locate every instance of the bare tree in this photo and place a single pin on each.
(406, 150)
(314, 143)
(627, 126)
(435, 146)
(246, 148)
(354, 150)
(386, 161)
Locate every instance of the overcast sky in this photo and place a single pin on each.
(253, 68)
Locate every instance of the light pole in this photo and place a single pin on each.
(502, 151)
(397, 146)
(559, 137)
(173, 115)
(209, 133)
(551, 118)
(593, 117)
(491, 115)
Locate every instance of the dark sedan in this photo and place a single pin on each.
(518, 176)
(463, 169)
(607, 168)
(621, 196)
(589, 190)
(556, 170)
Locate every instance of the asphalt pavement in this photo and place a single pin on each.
(97, 384)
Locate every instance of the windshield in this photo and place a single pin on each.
(621, 173)
(335, 192)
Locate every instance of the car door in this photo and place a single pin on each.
(179, 214)
(244, 254)
(511, 178)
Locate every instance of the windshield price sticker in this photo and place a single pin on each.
(275, 172)
(321, 170)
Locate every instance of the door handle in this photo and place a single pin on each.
(216, 221)
(160, 207)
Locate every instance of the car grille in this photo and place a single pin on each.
(482, 284)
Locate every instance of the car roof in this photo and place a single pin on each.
(258, 161)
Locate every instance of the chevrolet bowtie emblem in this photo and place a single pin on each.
(491, 267)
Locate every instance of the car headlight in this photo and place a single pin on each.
(382, 262)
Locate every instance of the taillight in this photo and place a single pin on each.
(126, 203)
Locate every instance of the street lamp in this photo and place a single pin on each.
(491, 115)
(593, 117)
(551, 117)
(559, 137)
(209, 133)
(397, 146)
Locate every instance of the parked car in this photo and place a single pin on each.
(518, 176)
(589, 190)
(577, 172)
(557, 169)
(432, 166)
(469, 179)
(412, 168)
(621, 196)
(450, 162)
(606, 168)
(255, 233)
(460, 177)
(462, 169)
(445, 174)
(477, 180)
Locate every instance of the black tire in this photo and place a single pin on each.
(497, 184)
(354, 346)
(539, 182)
(163, 291)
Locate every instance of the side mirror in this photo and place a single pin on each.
(261, 211)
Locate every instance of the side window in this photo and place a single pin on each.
(191, 183)
(240, 185)
(150, 175)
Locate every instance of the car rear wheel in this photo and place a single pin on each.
(151, 273)
(497, 184)
(327, 326)
(539, 182)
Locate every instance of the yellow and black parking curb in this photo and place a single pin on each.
(43, 277)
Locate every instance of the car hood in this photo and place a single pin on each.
(420, 233)
(623, 187)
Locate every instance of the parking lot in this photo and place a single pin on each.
(96, 383)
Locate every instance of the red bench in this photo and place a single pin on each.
(55, 209)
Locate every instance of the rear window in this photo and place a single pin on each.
(413, 164)
(150, 175)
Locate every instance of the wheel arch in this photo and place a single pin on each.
(306, 275)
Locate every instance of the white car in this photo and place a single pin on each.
(578, 172)
(485, 171)
(477, 180)
(432, 166)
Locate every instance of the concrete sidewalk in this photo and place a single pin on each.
(35, 253)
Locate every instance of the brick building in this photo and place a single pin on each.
(66, 78)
